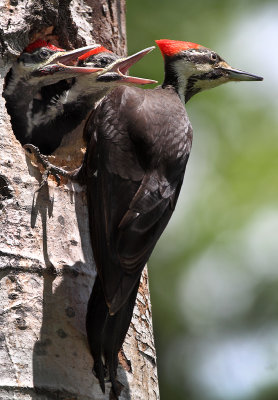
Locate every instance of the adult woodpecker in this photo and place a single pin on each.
(139, 144)
(37, 66)
(56, 115)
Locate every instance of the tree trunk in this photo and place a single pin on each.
(46, 263)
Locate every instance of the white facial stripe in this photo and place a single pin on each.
(182, 78)
(184, 69)
(188, 68)
(19, 73)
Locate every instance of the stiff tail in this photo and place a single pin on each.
(106, 334)
(97, 313)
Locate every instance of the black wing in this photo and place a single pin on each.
(134, 166)
(142, 142)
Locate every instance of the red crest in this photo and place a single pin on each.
(97, 50)
(172, 47)
(41, 43)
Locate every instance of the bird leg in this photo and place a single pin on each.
(49, 169)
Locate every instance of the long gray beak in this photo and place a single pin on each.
(238, 75)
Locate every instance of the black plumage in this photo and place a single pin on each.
(139, 143)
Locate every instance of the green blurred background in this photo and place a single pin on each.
(214, 273)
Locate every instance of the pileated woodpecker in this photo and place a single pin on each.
(55, 116)
(139, 142)
(39, 65)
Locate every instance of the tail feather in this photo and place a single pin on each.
(116, 328)
(97, 313)
(106, 333)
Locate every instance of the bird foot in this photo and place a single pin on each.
(49, 169)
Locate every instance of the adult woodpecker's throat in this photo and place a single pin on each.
(191, 68)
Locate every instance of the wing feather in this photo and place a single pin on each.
(140, 169)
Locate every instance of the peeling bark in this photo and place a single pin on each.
(46, 263)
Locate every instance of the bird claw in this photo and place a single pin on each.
(50, 169)
(45, 176)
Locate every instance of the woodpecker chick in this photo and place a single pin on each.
(37, 66)
(139, 144)
(54, 117)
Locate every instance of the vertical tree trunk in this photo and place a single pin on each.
(46, 263)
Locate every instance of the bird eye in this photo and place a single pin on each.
(44, 53)
(213, 57)
(104, 61)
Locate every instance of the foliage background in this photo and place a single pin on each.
(214, 275)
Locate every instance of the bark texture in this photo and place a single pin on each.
(46, 262)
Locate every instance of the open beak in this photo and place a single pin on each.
(118, 69)
(59, 60)
(122, 65)
(238, 75)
